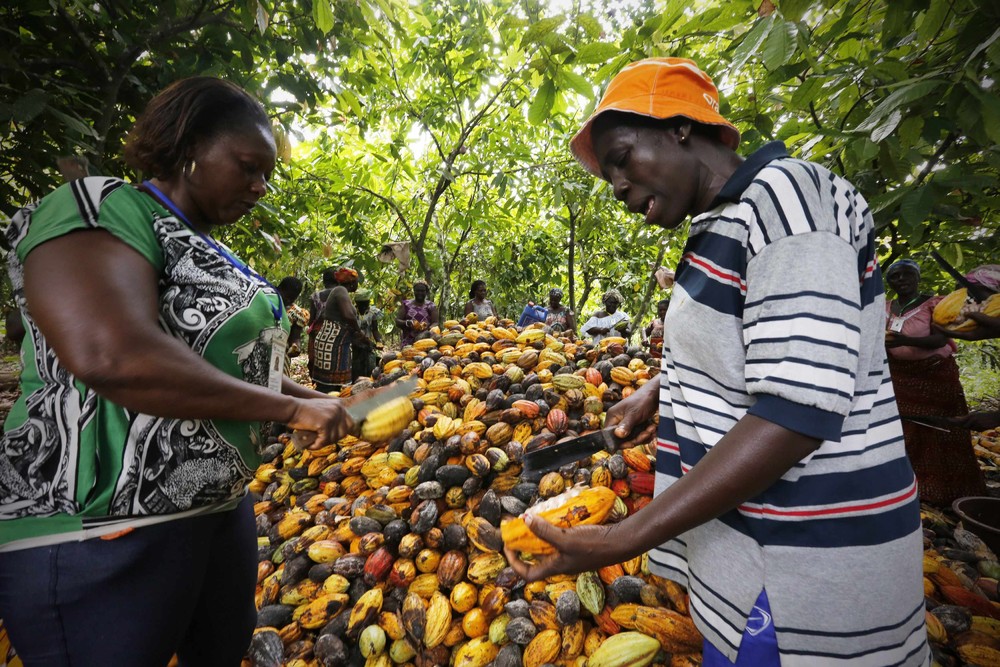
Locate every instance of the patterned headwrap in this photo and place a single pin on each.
(345, 275)
(614, 294)
(555, 291)
(422, 282)
(895, 266)
(987, 275)
(363, 295)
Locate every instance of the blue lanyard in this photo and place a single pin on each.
(240, 266)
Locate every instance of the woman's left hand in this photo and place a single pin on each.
(577, 550)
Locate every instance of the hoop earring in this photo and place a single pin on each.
(190, 167)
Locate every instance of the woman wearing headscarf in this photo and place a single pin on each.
(780, 463)
(478, 303)
(559, 317)
(926, 381)
(608, 322)
(415, 316)
(332, 334)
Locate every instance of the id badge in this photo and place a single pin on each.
(276, 368)
(896, 324)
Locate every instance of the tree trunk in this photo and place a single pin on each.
(572, 259)
(651, 285)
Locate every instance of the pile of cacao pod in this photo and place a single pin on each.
(388, 552)
(960, 589)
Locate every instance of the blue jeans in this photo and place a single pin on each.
(185, 586)
(759, 646)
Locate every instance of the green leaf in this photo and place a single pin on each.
(886, 127)
(580, 84)
(542, 104)
(323, 15)
(590, 25)
(540, 29)
(73, 123)
(261, 17)
(779, 47)
(349, 98)
(983, 46)
(932, 20)
(916, 206)
(29, 105)
(596, 52)
(909, 132)
(905, 94)
(887, 200)
(751, 42)
(807, 92)
(794, 9)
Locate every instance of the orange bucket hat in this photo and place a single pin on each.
(659, 88)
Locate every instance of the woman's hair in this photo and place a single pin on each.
(290, 285)
(612, 119)
(663, 302)
(184, 114)
(476, 285)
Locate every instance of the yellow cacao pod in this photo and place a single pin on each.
(573, 508)
(625, 649)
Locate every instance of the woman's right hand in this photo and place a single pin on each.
(639, 408)
(326, 417)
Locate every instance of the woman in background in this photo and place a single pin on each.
(559, 317)
(478, 303)
(608, 322)
(415, 316)
(926, 381)
(332, 334)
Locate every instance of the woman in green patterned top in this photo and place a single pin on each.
(152, 356)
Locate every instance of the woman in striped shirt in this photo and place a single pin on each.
(784, 500)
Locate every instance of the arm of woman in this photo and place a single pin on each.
(344, 305)
(590, 327)
(95, 301)
(295, 336)
(570, 321)
(931, 342)
(290, 387)
(468, 307)
(401, 321)
(432, 313)
(493, 308)
(746, 461)
(986, 327)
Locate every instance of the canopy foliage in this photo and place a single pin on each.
(445, 123)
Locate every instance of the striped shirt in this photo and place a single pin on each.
(778, 311)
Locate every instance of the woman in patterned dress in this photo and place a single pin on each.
(415, 316)
(333, 332)
(559, 318)
(126, 535)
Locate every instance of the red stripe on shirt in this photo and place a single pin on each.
(905, 496)
(726, 276)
